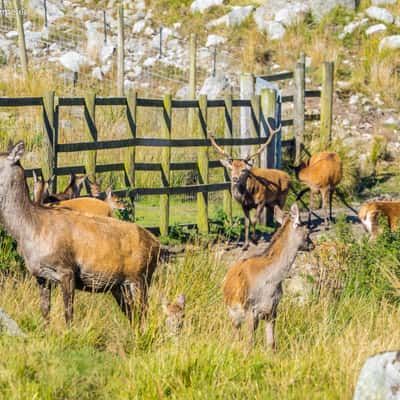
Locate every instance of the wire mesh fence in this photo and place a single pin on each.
(155, 61)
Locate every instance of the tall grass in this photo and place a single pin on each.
(322, 342)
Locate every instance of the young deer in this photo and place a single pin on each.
(322, 173)
(370, 212)
(255, 187)
(111, 199)
(82, 204)
(72, 191)
(174, 314)
(253, 287)
(76, 250)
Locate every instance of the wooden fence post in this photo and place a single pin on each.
(91, 134)
(246, 92)
(120, 52)
(326, 104)
(255, 126)
(299, 109)
(228, 133)
(165, 165)
(48, 163)
(268, 111)
(202, 197)
(130, 152)
(21, 38)
(192, 79)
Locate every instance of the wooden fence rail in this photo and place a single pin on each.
(261, 107)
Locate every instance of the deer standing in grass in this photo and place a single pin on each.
(174, 314)
(253, 287)
(75, 250)
(255, 187)
(370, 212)
(321, 174)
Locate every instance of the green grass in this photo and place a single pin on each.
(322, 342)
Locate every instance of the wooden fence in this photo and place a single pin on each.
(262, 107)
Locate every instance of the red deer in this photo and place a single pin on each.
(321, 174)
(75, 250)
(370, 212)
(253, 286)
(175, 314)
(111, 199)
(255, 187)
(82, 204)
(72, 191)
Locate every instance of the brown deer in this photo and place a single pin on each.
(110, 198)
(321, 174)
(77, 251)
(82, 204)
(369, 215)
(255, 187)
(72, 190)
(253, 286)
(175, 314)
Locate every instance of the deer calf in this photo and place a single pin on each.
(321, 174)
(111, 199)
(253, 287)
(174, 314)
(369, 215)
(255, 188)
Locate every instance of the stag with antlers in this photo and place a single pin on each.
(254, 188)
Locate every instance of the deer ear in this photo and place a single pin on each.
(35, 179)
(181, 300)
(226, 164)
(16, 152)
(278, 214)
(109, 192)
(295, 213)
(164, 304)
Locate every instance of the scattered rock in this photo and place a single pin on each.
(214, 40)
(380, 14)
(139, 26)
(375, 29)
(183, 92)
(73, 61)
(383, 2)
(234, 18)
(354, 99)
(292, 14)
(390, 42)
(97, 73)
(391, 121)
(275, 30)
(8, 326)
(350, 28)
(55, 9)
(379, 378)
(11, 34)
(202, 5)
(214, 86)
(106, 52)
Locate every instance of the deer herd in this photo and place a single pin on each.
(75, 241)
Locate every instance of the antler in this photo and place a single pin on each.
(219, 149)
(272, 133)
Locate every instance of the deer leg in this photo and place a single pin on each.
(331, 190)
(310, 207)
(269, 333)
(259, 210)
(142, 305)
(68, 289)
(246, 228)
(121, 296)
(325, 200)
(252, 325)
(45, 297)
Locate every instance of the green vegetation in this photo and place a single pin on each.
(322, 342)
